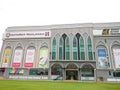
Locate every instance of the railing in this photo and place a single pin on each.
(56, 77)
(87, 78)
(113, 79)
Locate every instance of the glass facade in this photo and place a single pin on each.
(90, 53)
(67, 49)
(75, 55)
(61, 49)
(78, 48)
(38, 72)
(54, 49)
(82, 50)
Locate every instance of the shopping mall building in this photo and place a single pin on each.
(62, 52)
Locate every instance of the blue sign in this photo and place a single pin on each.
(102, 53)
(102, 58)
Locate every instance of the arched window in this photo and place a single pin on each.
(54, 49)
(61, 49)
(63, 43)
(67, 49)
(90, 54)
(82, 50)
(75, 49)
(87, 71)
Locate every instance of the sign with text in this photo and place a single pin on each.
(17, 58)
(35, 34)
(29, 58)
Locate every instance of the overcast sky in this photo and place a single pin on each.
(47, 12)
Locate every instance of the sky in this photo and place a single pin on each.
(48, 12)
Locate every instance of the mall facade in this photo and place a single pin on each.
(62, 52)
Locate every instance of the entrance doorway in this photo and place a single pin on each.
(71, 75)
(71, 72)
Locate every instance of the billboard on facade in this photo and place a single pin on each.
(43, 59)
(102, 58)
(29, 58)
(16, 71)
(29, 34)
(116, 53)
(6, 58)
(17, 58)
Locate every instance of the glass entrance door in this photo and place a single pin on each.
(71, 75)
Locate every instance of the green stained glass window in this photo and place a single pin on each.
(75, 54)
(82, 50)
(54, 49)
(61, 49)
(90, 55)
(67, 49)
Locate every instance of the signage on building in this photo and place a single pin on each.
(32, 34)
(116, 53)
(105, 32)
(6, 58)
(43, 59)
(17, 58)
(29, 58)
(102, 58)
(16, 71)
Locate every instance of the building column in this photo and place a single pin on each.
(95, 76)
(79, 74)
(6, 73)
(64, 74)
(49, 73)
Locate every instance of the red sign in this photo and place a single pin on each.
(28, 65)
(16, 65)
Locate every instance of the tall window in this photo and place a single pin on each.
(54, 49)
(67, 49)
(90, 55)
(82, 50)
(64, 48)
(75, 55)
(61, 49)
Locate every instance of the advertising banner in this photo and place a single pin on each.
(6, 58)
(16, 71)
(102, 58)
(116, 53)
(29, 34)
(29, 58)
(43, 59)
(17, 58)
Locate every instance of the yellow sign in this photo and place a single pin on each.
(6, 56)
(105, 32)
